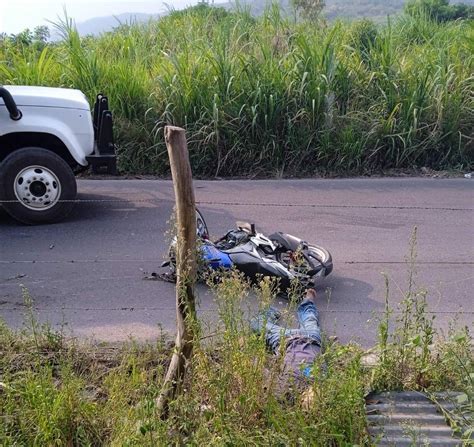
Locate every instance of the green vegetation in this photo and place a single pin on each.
(413, 356)
(268, 97)
(59, 392)
(439, 10)
(55, 392)
(410, 355)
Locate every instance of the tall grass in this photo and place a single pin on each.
(55, 391)
(265, 96)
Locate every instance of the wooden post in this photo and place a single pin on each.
(175, 138)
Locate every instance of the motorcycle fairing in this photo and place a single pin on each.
(252, 264)
(214, 257)
(286, 240)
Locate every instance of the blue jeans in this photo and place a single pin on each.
(308, 317)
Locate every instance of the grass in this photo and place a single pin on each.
(57, 391)
(268, 97)
(413, 354)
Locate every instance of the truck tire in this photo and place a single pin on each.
(36, 186)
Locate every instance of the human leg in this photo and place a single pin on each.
(266, 321)
(308, 317)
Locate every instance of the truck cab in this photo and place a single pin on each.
(47, 135)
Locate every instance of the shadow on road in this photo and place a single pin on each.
(88, 207)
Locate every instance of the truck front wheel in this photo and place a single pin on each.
(36, 186)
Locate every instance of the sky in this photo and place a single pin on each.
(16, 15)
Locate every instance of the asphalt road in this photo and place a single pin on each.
(86, 274)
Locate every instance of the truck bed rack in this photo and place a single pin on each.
(104, 159)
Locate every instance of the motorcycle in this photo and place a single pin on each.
(279, 255)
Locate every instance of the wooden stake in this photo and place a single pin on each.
(175, 138)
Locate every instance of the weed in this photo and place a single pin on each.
(81, 394)
(414, 355)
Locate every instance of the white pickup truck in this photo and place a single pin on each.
(47, 135)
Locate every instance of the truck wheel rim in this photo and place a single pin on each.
(37, 188)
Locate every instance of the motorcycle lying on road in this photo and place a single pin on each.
(279, 255)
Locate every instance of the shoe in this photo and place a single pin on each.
(310, 296)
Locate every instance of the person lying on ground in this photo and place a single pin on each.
(302, 346)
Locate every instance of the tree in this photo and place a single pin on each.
(309, 9)
(38, 37)
(25, 38)
(439, 10)
(41, 34)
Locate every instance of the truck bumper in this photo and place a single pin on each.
(103, 164)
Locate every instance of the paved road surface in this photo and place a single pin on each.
(86, 273)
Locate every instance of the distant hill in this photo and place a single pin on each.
(99, 25)
(344, 9)
(375, 9)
